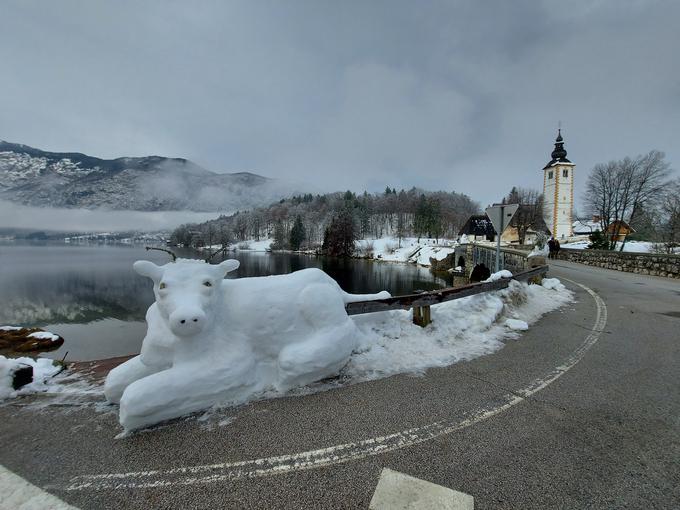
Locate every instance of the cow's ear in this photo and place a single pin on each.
(146, 268)
(228, 266)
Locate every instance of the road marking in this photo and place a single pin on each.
(339, 454)
(19, 494)
(397, 491)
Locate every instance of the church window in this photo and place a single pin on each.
(550, 174)
(565, 173)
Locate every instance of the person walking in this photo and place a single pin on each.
(551, 248)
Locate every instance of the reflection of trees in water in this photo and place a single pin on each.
(74, 296)
(353, 275)
(47, 285)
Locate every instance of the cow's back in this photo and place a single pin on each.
(271, 310)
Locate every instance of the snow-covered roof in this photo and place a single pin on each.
(585, 226)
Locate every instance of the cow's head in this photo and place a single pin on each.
(187, 291)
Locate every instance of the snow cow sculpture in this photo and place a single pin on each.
(211, 339)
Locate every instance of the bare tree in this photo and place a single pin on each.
(670, 210)
(617, 190)
(530, 213)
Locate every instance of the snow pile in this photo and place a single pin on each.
(43, 369)
(44, 335)
(553, 284)
(504, 273)
(540, 252)
(516, 324)
(461, 330)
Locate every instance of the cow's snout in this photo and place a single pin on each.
(187, 322)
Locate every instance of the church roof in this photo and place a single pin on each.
(559, 153)
(478, 225)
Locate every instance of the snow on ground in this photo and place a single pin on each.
(499, 275)
(412, 250)
(461, 330)
(386, 248)
(539, 252)
(261, 245)
(630, 246)
(44, 335)
(249, 245)
(43, 369)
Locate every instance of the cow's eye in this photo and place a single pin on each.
(207, 283)
(162, 286)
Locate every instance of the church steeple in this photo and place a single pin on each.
(558, 191)
(559, 153)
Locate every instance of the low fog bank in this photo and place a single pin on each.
(93, 220)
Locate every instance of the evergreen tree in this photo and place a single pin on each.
(279, 237)
(340, 235)
(598, 241)
(420, 220)
(297, 234)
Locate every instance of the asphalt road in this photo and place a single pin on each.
(578, 413)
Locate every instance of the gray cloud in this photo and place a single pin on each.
(450, 95)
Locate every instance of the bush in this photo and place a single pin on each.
(339, 237)
(598, 241)
(366, 249)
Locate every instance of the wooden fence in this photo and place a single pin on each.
(421, 302)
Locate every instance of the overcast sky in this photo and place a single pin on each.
(462, 96)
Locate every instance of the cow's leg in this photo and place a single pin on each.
(186, 388)
(123, 375)
(320, 356)
(326, 350)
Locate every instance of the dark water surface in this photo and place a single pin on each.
(90, 295)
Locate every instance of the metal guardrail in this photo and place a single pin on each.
(427, 299)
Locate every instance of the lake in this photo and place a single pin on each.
(90, 295)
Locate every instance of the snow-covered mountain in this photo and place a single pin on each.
(53, 179)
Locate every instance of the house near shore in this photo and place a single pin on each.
(617, 230)
(479, 228)
(527, 219)
(586, 227)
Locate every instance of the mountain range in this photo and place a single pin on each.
(34, 177)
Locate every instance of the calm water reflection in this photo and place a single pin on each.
(92, 297)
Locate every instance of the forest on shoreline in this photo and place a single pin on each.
(332, 222)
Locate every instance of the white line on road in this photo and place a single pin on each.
(338, 454)
(19, 494)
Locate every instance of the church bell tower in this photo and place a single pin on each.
(558, 191)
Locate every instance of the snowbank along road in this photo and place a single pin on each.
(581, 411)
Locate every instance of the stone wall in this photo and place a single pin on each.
(640, 263)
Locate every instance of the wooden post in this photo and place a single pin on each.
(427, 317)
(422, 316)
(417, 316)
